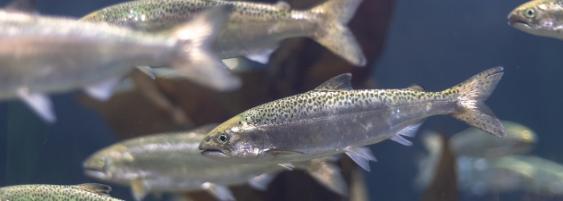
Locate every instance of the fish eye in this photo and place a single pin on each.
(530, 13)
(223, 138)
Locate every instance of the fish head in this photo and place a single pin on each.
(539, 17)
(520, 138)
(107, 164)
(234, 139)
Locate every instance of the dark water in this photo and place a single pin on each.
(433, 43)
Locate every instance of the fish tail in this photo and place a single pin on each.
(195, 59)
(471, 95)
(334, 34)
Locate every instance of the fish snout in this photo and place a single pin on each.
(96, 167)
(514, 19)
(208, 149)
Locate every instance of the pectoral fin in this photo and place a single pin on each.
(287, 166)
(39, 103)
(220, 192)
(103, 90)
(329, 175)
(147, 70)
(360, 155)
(138, 189)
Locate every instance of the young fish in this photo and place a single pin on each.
(41, 55)
(334, 118)
(82, 192)
(254, 29)
(474, 149)
(539, 17)
(475, 143)
(172, 163)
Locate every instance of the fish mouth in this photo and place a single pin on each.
(94, 172)
(213, 153)
(517, 22)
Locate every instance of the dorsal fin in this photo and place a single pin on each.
(339, 82)
(99, 189)
(415, 87)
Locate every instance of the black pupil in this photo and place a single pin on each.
(530, 12)
(223, 138)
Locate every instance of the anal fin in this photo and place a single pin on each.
(138, 189)
(39, 103)
(361, 156)
(409, 131)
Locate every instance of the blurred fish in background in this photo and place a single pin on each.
(172, 163)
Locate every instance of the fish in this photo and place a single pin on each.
(253, 30)
(474, 151)
(472, 142)
(44, 192)
(172, 163)
(43, 55)
(538, 175)
(334, 118)
(539, 17)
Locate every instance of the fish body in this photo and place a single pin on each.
(82, 192)
(172, 163)
(540, 176)
(476, 143)
(476, 153)
(41, 55)
(253, 30)
(334, 118)
(539, 17)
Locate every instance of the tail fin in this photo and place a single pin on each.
(471, 95)
(195, 61)
(335, 35)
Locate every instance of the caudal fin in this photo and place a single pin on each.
(196, 60)
(334, 33)
(471, 96)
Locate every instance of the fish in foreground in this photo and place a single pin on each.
(172, 163)
(475, 150)
(253, 30)
(41, 55)
(333, 118)
(82, 192)
(539, 17)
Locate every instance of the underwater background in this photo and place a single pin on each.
(432, 43)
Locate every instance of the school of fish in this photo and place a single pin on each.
(187, 39)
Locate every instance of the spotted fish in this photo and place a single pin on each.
(82, 192)
(334, 118)
(172, 163)
(539, 17)
(254, 29)
(41, 55)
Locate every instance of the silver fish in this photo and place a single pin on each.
(82, 192)
(254, 29)
(41, 55)
(539, 17)
(172, 163)
(475, 151)
(334, 118)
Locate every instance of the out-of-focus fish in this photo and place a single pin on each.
(172, 163)
(254, 29)
(539, 175)
(479, 159)
(82, 192)
(539, 17)
(41, 55)
(334, 118)
(475, 143)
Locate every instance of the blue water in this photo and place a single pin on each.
(433, 43)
